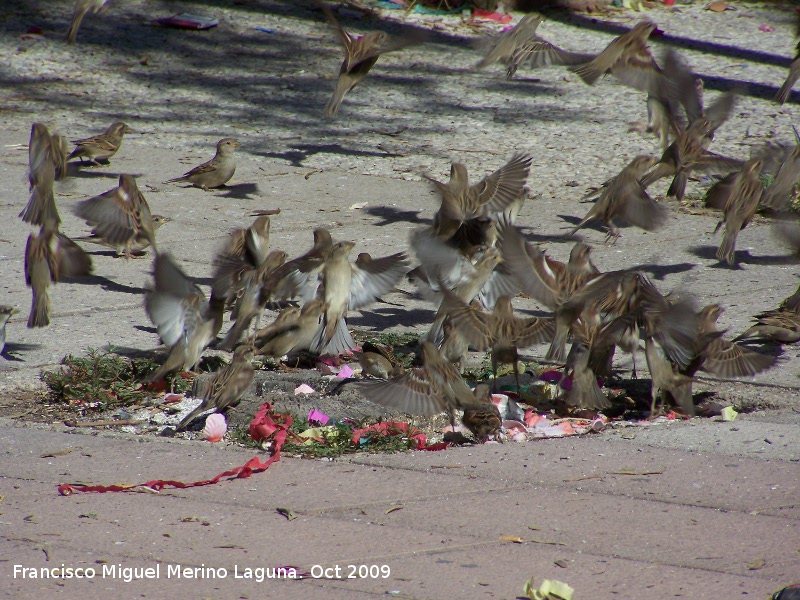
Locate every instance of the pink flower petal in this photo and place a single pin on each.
(303, 389)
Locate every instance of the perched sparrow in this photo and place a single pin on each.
(625, 196)
(628, 58)
(434, 388)
(740, 208)
(252, 296)
(217, 171)
(499, 330)
(585, 392)
(360, 55)
(520, 44)
(101, 147)
(225, 388)
(5, 315)
(483, 420)
(82, 7)
(140, 242)
(185, 320)
(377, 361)
(291, 330)
(120, 216)
(490, 196)
(50, 256)
(781, 325)
(349, 287)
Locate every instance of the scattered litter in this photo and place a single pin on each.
(728, 413)
(719, 7)
(345, 372)
(766, 28)
(265, 29)
(357, 206)
(757, 564)
(319, 417)
(511, 538)
(56, 453)
(215, 428)
(391, 509)
(187, 21)
(491, 16)
(303, 389)
(548, 590)
(290, 516)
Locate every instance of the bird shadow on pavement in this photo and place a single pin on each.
(13, 348)
(659, 272)
(742, 256)
(377, 319)
(390, 215)
(240, 191)
(85, 172)
(298, 153)
(107, 284)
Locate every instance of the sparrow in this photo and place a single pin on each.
(626, 197)
(794, 74)
(186, 321)
(225, 388)
(291, 330)
(482, 420)
(434, 388)
(46, 160)
(778, 196)
(689, 152)
(120, 216)
(585, 392)
(137, 248)
(217, 171)
(5, 314)
(377, 361)
(781, 325)
(300, 277)
(50, 257)
(349, 287)
(740, 208)
(100, 147)
(500, 330)
(82, 7)
(467, 289)
(628, 58)
(360, 55)
(250, 243)
(492, 195)
(520, 44)
(252, 296)
(548, 281)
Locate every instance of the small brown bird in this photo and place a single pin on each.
(483, 420)
(255, 289)
(50, 257)
(377, 361)
(521, 44)
(585, 392)
(250, 243)
(434, 388)
(217, 171)
(291, 331)
(120, 216)
(139, 245)
(781, 325)
(360, 55)
(626, 197)
(500, 330)
(346, 286)
(794, 74)
(740, 208)
(5, 314)
(780, 193)
(628, 58)
(47, 162)
(100, 147)
(185, 320)
(82, 7)
(300, 277)
(492, 195)
(225, 388)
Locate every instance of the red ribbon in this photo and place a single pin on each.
(264, 425)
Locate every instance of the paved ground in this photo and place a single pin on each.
(699, 509)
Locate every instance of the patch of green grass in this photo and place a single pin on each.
(397, 340)
(103, 379)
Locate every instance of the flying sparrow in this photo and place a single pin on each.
(82, 7)
(740, 208)
(292, 330)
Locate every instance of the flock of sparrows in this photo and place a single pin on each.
(473, 258)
